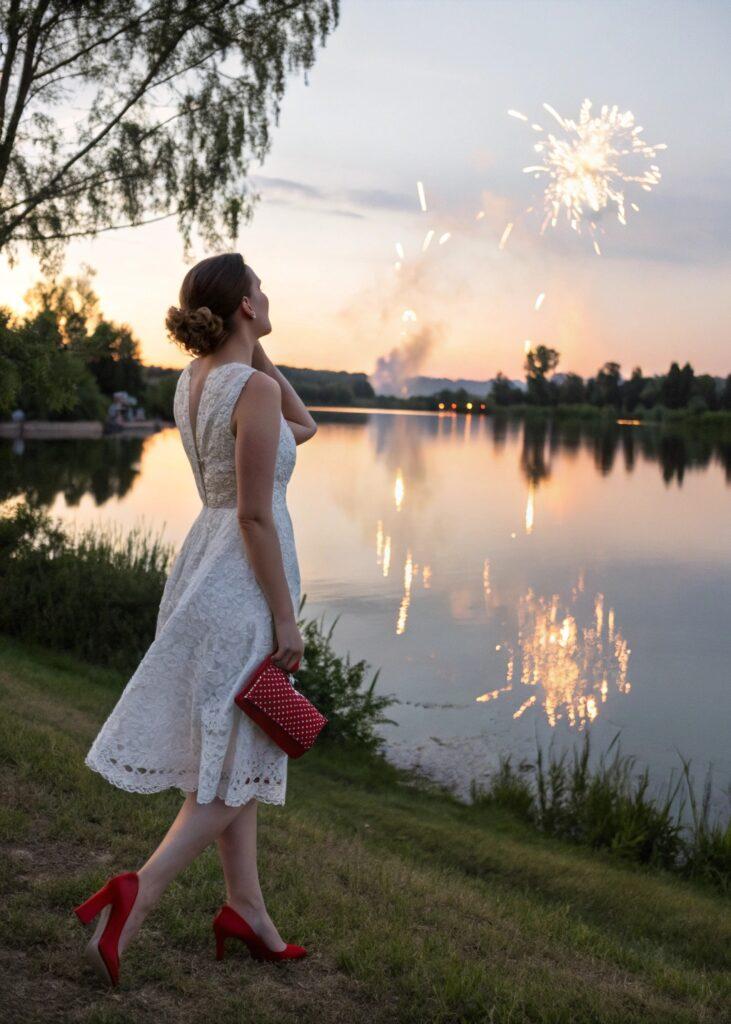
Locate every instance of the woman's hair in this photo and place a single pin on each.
(209, 296)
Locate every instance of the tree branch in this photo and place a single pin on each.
(13, 36)
(95, 231)
(24, 84)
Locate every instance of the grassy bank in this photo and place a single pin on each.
(415, 908)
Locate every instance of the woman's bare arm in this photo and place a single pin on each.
(256, 423)
(293, 408)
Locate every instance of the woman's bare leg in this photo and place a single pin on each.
(237, 850)
(195, 827)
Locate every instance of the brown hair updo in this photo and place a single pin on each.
(209, 296)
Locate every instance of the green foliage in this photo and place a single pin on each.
(63, 361)
(158, 397)
(610, 807)
(41, 376)
(92, 593)
(338, 689)
(171, 103)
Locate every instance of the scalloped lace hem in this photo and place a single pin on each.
(186, 782)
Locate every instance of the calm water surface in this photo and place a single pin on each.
(513, 582)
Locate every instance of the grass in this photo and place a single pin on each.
(415, 908)
(610, 805)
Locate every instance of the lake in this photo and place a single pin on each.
(514, 581)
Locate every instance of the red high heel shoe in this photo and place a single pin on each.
(228, 923)
(115, 900)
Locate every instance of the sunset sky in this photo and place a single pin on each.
(419, 89)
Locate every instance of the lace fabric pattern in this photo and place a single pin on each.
(176, 723)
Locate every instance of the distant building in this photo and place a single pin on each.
(124, 408)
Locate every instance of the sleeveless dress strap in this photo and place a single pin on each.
(232, 388)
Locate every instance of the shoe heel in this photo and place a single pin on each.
(88, 910)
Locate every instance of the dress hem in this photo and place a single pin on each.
(114, 780)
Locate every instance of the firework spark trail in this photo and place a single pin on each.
(505, 236)
(414, 348)
(587, 166)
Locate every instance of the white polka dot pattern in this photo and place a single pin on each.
(271, 700)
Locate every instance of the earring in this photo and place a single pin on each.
(253, 316)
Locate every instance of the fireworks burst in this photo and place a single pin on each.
(587, 166)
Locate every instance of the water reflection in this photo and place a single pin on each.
(107, 468)
(452, 546)
(676, 448)
(573, 657)
(43, 471)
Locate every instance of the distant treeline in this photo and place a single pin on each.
(676, 389)
(64, 360)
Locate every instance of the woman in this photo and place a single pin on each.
(230, 599)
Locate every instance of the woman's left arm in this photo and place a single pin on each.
(294, 409)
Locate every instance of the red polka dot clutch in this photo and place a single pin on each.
(268, 697)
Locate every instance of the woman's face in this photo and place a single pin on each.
(258, 303)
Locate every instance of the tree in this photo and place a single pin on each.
(572, 390)
(725, 398)
(42, 376)
(632, 389)
(110, 351)
(704, 386)
(503, 391)
(607, 385)
(178, 99)
(538, 362)
(676, 386)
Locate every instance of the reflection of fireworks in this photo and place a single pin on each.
(585, 166)
(571, 667)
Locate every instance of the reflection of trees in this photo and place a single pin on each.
(105, 468)
(533, 452)
(676, 449)
(605, 448)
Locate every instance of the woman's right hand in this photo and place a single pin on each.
(290, 645)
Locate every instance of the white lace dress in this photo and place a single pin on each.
(176, 723)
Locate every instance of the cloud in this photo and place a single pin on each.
(284, 187)
(285, 191)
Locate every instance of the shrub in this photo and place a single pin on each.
(610, 807)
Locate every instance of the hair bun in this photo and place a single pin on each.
(198, 330)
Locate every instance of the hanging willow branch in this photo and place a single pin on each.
(116, 113)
